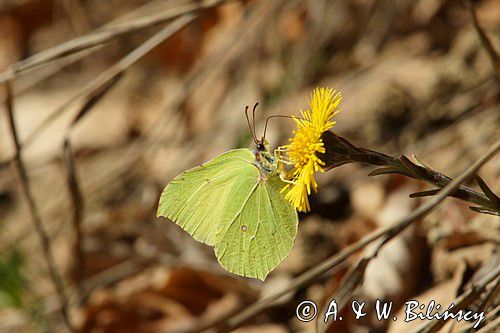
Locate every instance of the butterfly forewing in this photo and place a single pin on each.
(205, 198)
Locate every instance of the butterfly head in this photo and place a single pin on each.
(262, 145)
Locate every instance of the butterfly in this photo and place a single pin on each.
(235, 204)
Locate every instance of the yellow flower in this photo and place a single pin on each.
(306, 143)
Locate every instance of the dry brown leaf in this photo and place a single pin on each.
(186, 294)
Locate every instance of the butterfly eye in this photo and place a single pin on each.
(260, 146)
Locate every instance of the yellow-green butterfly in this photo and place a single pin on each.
(234, 203)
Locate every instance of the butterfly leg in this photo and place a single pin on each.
(277, 153)
(283, 179)
(281, 169)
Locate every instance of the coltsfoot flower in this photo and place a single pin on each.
(306, 144)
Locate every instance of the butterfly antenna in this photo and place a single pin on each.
(274, 116)
(249, 126)
(253, 117)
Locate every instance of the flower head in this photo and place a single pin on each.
(307, 143)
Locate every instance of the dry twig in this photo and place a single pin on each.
(35, 216)
(485, 40)
(72, 180)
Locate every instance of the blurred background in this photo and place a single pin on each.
(415, 80)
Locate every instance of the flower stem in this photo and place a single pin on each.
(339, 151)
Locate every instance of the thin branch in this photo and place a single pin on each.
(54, 67)
(483, 37)
(77, 201)
(333, 261)
(35, 216)
(73, 184)
(101, 36)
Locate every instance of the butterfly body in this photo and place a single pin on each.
(234, 203)
(265, 160)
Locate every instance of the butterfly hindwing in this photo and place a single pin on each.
(262, 235)
(203, 199)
